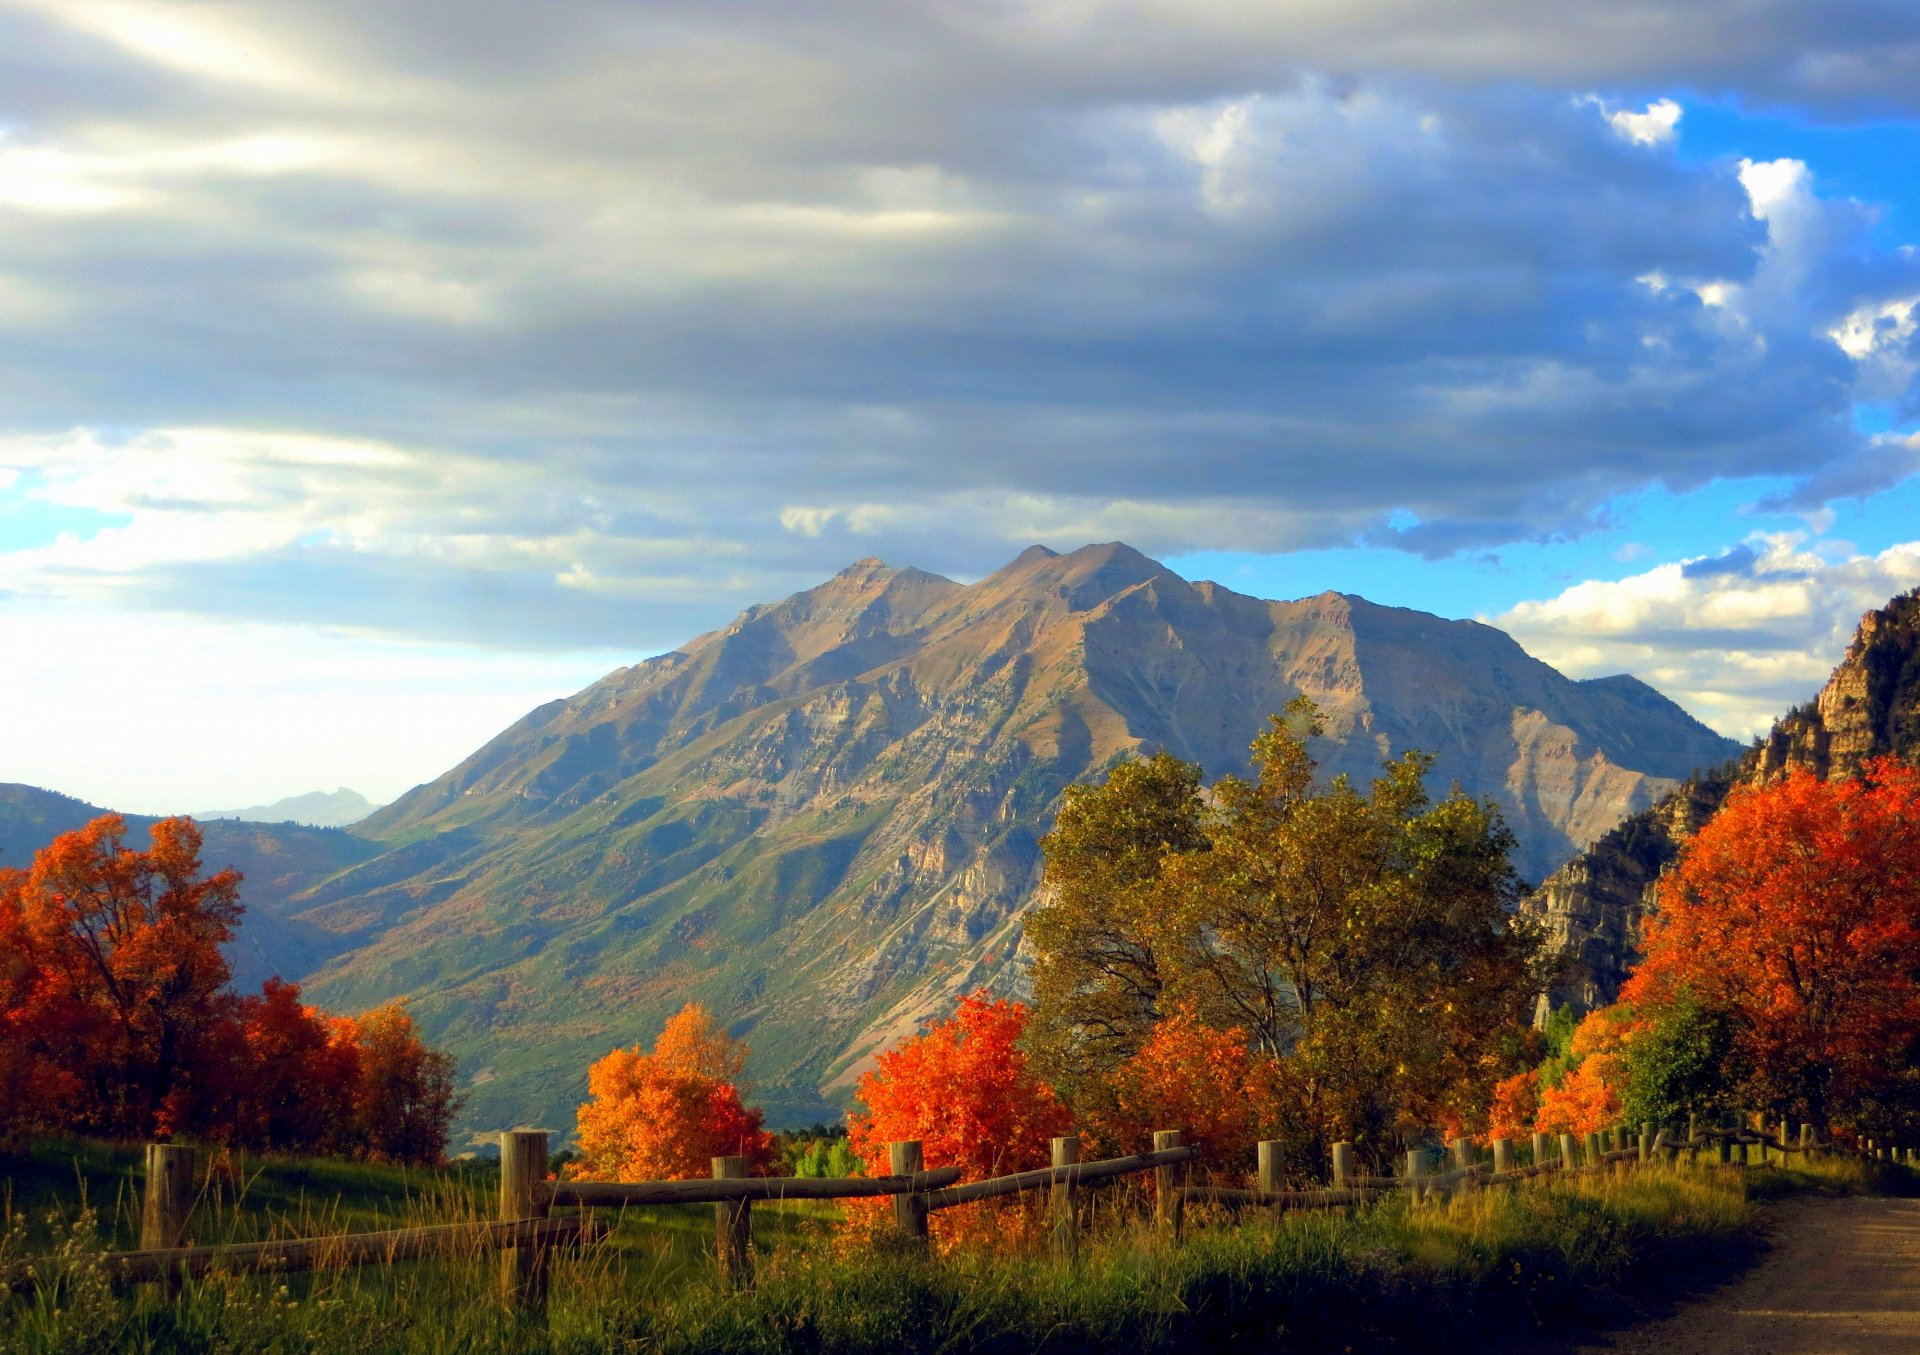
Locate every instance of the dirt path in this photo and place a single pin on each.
(1843, 1278)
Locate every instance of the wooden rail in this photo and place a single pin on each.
(601, 1193)
(1043, 1178)
(525, 1234)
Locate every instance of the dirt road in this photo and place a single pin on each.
(1843, 1278)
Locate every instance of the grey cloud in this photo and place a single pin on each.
(647, 250)
(1736, 560)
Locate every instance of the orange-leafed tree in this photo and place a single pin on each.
(963, 1089)
(1515, 1110)
(1192, 1077)
(133, 986)
(297, 1081)
(664, 1114)
(1796, 912)
(1590, 1094)
(405, 1100)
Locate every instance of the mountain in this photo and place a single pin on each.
(822, 820)
(1593, 906)
(280, 862)
(316, 809)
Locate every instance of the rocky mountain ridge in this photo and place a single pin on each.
(822, 820)
(1594, 906)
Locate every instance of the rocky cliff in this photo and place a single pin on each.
(1594, 905)
(822, 820)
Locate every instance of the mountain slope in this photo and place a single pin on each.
(1593, 906)
(822, 820)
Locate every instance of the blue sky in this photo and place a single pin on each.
(370, 372)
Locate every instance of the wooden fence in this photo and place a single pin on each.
(525, 1232)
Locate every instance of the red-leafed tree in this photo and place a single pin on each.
(116, 1018)
(964, 1090)
(133, 987)
(665, 1114)
(1796, 912)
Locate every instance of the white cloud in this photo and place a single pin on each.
(1654, 126)
(1878, 325)
(1737, 640)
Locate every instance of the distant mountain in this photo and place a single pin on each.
(822, 819)
(279, 861)
(316, 809)
(1595, 905)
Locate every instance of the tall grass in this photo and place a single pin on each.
(1488, 1265)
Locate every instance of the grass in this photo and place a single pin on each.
(1488, 1266)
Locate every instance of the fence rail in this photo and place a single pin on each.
(525, 1234)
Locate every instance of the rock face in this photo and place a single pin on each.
(1593, 906)
(822, 821)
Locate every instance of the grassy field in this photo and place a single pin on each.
(1488, 1266)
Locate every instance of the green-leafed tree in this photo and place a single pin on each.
(1364, 942)
(1098, 930)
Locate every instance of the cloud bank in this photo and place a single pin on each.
(581, 323)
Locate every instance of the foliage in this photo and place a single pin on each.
(1795, 912)
(1515, 1109)
(665, 1115)
(1681, 1063)
(1588, 1096)
(116, 1017)
(963, 1089)
(1502, 1265)
(1195, 1078)
(1096, 933)
(1363, 943)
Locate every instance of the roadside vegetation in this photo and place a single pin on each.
(1487, 1266)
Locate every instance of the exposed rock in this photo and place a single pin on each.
(1593, 906)
(823, 819)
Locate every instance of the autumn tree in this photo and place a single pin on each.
(1204, 1081)
(116, 1018)
(1096, 931)
(664, 1114)
(963, 1088)
(1795, 914)
(404, 1100)
(133, 986)
(1364, 942)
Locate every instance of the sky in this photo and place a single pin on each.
(373, 371)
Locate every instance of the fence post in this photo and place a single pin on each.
(169, 1196)
(1806, 1137)
(1502, 1156)
(1416, 1170)
(1169, 1206)
(1569, 1152)
(1269, 1162)
(733, 1227)
(1693, 1132)
(1542, 1148)
(1066, 1235)
(523, 1269)
(909, 1210)
(1342, 1165)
